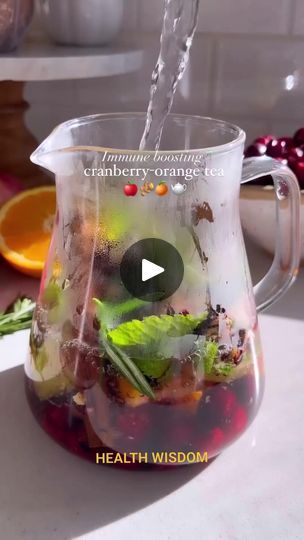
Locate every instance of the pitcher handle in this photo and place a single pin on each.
(287, 257)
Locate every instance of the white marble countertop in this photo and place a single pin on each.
(254, 490)
(39, 60)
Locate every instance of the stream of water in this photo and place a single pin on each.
(180, 21)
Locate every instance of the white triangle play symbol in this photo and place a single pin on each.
(149, 270)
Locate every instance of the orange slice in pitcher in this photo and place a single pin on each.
(26, 223)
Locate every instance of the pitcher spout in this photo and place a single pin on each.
(43, 155)
(46, 155)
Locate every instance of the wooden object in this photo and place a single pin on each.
(16, 141)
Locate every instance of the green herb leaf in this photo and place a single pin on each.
(210, 354)
(51, 295)
(108, 313)
(223, 368)
(155, 368)
(19, 317)
(131, 345)
(41, 360)
(128, 369)
(153, 329)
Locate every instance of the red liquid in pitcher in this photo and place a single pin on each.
(105, 415)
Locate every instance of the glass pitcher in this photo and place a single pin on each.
(145, 344)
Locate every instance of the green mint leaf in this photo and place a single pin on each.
(41, 360)
(108, 313)
(17, 306)
(152, 330)
(155, 368)
(223, 368)
(51, 295)
(134, 346)
(210, 354)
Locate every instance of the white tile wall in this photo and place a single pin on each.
(54, 102)
(298, 22)
(260, 77)
(131, 14)
(150, 14)
(227, 16)
(193, 95)
(67, 99)
(245, 16)
(285, 129)
(236, 16)
(247, 66)
(252, 127)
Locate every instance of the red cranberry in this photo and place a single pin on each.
(180, 436)
(216, 440)
(209, 414)
(184, 312)
(54, 423)
(294, 155)
(73, 441)
(246, 390)
(212, 442)
(276, 148)
(264, 140)
(216, 407)
(298, 169)
(255, 150)
(81, 363)
(57, 416)
(55, 433)
(133, 424)
(283, 190)
(282, 160)
(292, 163)
(237, 424)
(225, 400)
(298, 137)
(287, 141)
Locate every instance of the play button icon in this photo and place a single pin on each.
(149, 270)
(152, 270)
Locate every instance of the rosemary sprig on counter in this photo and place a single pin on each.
(17, 317)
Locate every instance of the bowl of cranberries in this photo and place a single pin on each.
(258, 198)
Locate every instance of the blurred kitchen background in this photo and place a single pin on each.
(247, 66)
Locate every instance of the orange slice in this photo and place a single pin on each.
(131, 396)
(26, 223)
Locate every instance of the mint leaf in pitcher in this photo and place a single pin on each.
(152, 330)
(210, 355)
(108, 313)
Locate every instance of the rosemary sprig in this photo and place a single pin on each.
(118, 357)
(18, 317)
(127, 368)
